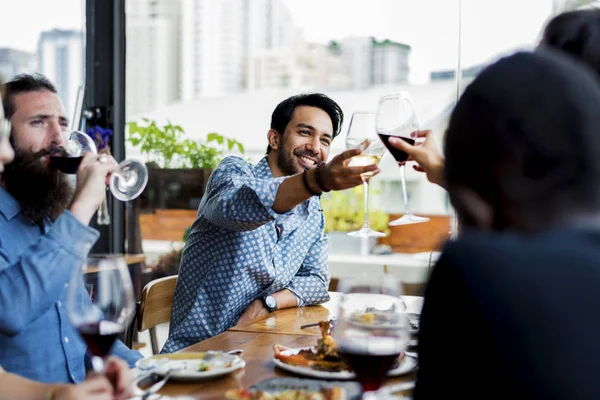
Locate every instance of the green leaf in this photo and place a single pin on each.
(215, 137)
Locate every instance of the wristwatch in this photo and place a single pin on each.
(270, 302)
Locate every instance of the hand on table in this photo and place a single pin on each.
(119, 374)
(255, 309)
(95, 387)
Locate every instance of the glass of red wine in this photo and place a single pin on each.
(396, 117)
(371, 330)
(100, 304)
(125, 184)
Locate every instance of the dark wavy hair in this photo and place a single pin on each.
(24, 83)
(524, 137)
(576, 33)
(284, 111)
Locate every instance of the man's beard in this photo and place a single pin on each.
(42, 191)
(289, 165)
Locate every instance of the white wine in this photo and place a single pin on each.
(362, 161)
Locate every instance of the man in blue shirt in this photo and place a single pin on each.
(43, 237)
(258, 243)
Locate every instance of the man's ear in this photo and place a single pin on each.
(472, 210)
(274, 138)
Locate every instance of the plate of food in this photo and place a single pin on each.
(297, 389)
(193, 366)
(323, 361)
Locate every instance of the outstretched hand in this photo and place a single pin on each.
(338, 175)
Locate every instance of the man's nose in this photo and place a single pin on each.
(314, 146)
(58, 134)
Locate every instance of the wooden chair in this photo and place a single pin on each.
(155, 307)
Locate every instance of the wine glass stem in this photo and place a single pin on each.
(366, 194)
(98, 365)
(404, 195)
(369, 396)
(103, 217)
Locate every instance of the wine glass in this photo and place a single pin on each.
(362, 134)
(100, 304)
(371, 329)
(396, 117)
(125, 184)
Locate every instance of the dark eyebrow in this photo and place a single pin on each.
(301, 125)
(48, 116)
(312, 128)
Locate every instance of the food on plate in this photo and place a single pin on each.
(331, 393)
(366, 318)
(322, 357)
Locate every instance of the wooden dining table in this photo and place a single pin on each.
(257, 340)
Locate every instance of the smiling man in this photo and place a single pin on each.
(258, 243)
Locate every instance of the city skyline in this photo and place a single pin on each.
(430, 27)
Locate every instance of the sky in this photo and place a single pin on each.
(489, 27)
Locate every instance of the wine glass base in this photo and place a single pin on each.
(365, 231)
(408, 219)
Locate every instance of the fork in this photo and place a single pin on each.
(158, 385)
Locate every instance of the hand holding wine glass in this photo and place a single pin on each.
(371, 329)
(126, 182)
(427, 155)
(100, 304)
(396, 117)
(362, 135)
(90, 190)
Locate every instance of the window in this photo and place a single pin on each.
(213, 57)
(50, 41)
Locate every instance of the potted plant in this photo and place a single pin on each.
(178, 167)
(344, 212)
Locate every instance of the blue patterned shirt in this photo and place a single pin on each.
(37, 340)
(239, 250)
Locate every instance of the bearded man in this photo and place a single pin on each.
(44, 237)
(258, 243)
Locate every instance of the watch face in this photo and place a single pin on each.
(271, 302)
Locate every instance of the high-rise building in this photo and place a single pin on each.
(225, 41)
(271, 44)
(13, 62)
(390, 62)
(61, 59)
(305, 66)
(357, 53)
(215, 47)
(370, 62)
(153, 58)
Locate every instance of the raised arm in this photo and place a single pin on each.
(237, 200)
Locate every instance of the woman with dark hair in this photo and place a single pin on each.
(576, 33)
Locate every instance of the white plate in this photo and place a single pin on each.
(187, 369)
(408, 364)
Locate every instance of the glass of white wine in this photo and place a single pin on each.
(362, 134)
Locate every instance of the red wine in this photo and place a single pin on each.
(399, 155)
(100, 336)
(68, 165)
(370, 369)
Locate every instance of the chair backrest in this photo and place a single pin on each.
(156, 303)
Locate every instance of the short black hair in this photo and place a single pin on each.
(576, 33)
(24, 83)
(282, 115)
(525, 136)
